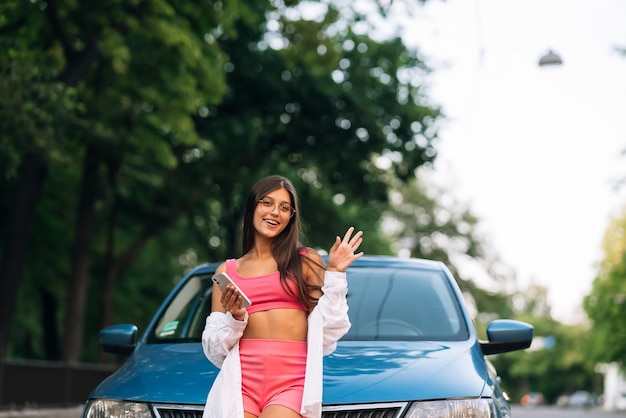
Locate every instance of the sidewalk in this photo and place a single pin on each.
(69, 412)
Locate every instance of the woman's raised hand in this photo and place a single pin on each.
(343, 251)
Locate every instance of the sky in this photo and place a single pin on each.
(534, 151)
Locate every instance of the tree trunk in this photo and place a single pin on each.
(114, 267)
(49, 309)
(17, 235)
(110, 275)
(81, 259)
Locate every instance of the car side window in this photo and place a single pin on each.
(184, 317)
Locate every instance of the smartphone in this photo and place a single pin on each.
(222, 280)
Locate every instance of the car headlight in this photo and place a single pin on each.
(113, 408)
(452, 408)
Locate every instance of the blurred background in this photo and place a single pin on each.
(485, 134)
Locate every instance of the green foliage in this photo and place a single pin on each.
(293, 108)
(37, 331)
(125, 79)
(553, 370)
(606, 304)
(36, 111)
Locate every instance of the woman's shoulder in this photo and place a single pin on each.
(312, 255)
(308, 251)
(221, 268)
(313, 266)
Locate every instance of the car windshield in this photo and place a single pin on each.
(385, 303)
(390, 303)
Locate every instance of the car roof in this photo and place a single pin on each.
(364, 261)
(391, 261)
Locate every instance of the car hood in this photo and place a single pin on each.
(355, 372)
(397, 371)
(178, 373)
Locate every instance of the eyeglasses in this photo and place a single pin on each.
(284, 208)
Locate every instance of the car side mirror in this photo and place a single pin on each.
(118, 339)
(505, 335)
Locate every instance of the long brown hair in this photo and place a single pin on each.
(286, 246)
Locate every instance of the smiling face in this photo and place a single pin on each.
(273, 213)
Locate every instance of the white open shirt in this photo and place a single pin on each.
(327, 323)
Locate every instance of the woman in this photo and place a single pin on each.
(270, 353)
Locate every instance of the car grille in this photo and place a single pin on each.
(177, 411)
(385, 410)
(381, 410)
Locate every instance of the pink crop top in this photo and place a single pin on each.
(265, 291)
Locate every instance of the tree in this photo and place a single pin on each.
(321, 106)
(36, 112)
(606, 304)
(557, 363)
(143, 69)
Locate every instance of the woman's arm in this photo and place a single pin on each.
(333, 309)
(221, 332)
(332, 305)
(226, 323)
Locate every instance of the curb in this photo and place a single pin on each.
(69, 412)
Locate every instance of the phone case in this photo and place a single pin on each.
(222, 280)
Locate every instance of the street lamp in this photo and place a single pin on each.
(551, 58)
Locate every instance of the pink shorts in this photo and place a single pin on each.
(272, 372)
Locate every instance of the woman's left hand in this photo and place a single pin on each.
(342, 253)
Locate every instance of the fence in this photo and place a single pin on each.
(48, 384)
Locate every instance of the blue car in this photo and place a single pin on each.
(412, 351)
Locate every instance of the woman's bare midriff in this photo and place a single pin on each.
(277, 324)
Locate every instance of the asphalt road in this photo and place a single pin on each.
(552, 412)
(72, 412)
